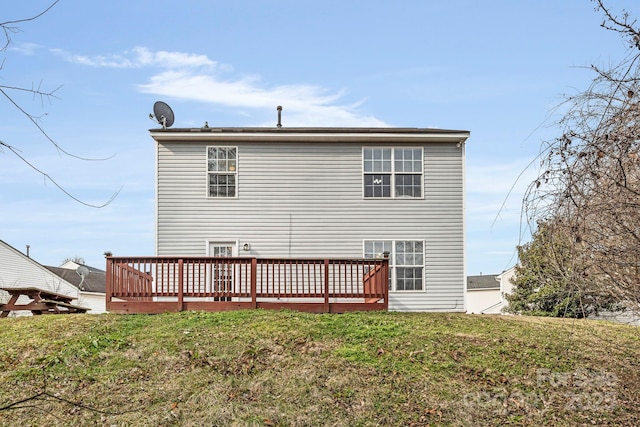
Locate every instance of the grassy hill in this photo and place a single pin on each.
(295, 369)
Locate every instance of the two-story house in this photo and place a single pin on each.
(321, 192)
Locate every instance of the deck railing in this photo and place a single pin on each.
(159, 284)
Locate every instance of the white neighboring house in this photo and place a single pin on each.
(627, 317)
(479, 299)
(505, 283)
(91, 286)
(321, 193)
(483, 294)
(486, 293)
(17, 270)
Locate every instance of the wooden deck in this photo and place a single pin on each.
(167, 284)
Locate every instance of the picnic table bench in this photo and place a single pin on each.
(42, 302)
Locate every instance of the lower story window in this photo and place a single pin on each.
(406, 262)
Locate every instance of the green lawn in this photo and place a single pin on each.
(283, 368)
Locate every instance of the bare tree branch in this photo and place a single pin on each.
(46, 395)
(619, 25)
(53, 181)
(588, 186)
(9, 27)
(33, 120)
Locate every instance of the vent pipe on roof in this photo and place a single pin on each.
(28, 246)
(279, 108)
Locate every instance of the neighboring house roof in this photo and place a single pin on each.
(488, 281)
(95, 281)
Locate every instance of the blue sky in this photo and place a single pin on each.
(497, 68)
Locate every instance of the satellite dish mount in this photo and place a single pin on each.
(83, 272)
(163, 114)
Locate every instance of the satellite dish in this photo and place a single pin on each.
(83, 272)
(162, 114)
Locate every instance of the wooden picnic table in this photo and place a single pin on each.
(42, 302)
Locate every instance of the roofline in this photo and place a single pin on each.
(37, 264)
(100, 294)
(507, 271)
(405, 135)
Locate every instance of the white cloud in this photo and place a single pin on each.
(305, 105)
(145, 57)
(495, 192)
(492, 177)
(25, 48)
(139, 57)
(198, 78)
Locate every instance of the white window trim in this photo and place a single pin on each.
(231, 242)
(392, 173)
(237, 172)
(392, 266)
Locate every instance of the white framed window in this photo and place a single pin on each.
(222, 249)
(392, 172)
(406, 262)
(222, 171)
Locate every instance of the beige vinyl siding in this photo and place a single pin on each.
(306, 200)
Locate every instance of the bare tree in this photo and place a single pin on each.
(8, 29)
(76, 259)
(589, 182)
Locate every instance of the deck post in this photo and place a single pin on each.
(385, 281)
(180, 284)
(254, 282)
(109, 282)
(326, 285)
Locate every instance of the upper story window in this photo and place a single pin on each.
(392, 172)
(222, 171)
